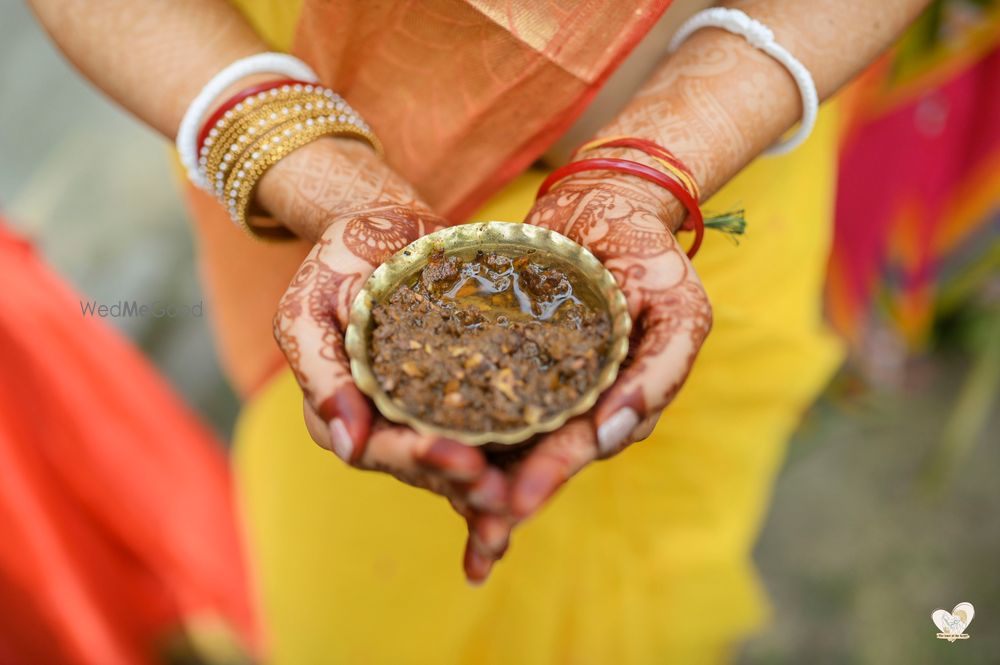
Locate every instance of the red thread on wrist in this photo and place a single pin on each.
(236, 99)
(639, 170)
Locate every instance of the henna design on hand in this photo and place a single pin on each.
(377, 234)
(316, 292)
(609, 217)
(328, 179)
(623, 223)
(317, 303)
(309, 325)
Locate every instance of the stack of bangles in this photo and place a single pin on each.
(258, 126)
(675, 177)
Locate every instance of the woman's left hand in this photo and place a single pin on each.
(624, 222)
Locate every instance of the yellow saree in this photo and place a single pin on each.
(644, 558)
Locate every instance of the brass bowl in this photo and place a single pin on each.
(403, 266)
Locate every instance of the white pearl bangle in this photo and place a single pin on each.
(261, 63)
(760, 37)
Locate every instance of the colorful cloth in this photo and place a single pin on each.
(115, 508)
(918, 206)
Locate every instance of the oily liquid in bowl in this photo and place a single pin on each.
(489, 342)
(501, 293)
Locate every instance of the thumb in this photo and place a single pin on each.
(307, 331)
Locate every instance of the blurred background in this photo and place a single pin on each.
(889, 503)
(108, 225)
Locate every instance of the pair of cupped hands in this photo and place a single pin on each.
(625, 222)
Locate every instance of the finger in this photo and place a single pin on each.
(306, 329)
(452, 459)
(335, 437)
(646, 427)
(551, 463)
(420, 459)
(489, 535)
(461, 507)
(673, 329)
(392, 458)
(477, 566)
(318, 430)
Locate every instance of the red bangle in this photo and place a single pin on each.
(650, 148)
(642, 171)
(654, 150)
(236, 99)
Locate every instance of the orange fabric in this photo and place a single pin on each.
(465, 94)
(115, 504)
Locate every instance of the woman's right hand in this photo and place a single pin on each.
(362, 222)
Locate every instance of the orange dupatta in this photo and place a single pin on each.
(465, 94)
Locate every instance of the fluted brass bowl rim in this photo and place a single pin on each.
(486, 236)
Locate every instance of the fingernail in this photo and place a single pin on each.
(477, 567)
(615, 430)
(350, 420)
(341, 440)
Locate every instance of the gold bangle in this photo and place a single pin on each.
(238, 114)
(258, 132)
(222, 157)
(268, 118)
(239, 189)
(270, 97)
(246, 159)
(265, 116)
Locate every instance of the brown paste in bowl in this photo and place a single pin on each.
(489, 342)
